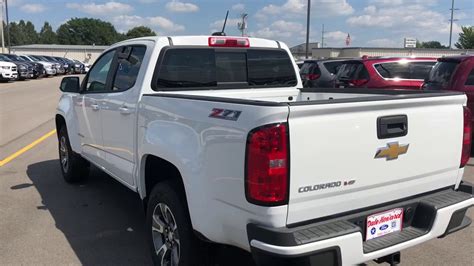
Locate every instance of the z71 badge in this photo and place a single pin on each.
(225, 114)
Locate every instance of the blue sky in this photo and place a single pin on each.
(375, 23)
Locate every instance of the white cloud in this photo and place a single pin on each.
(404, 20)
(14, 2)
(231, 22)
(32, 8)
(238, 7)
(294, 8)
(384, 42)
(176, 6)
(108, 8)
(336, 38)
(125, 22)
(279, 29)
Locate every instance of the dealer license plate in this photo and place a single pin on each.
(384, 223)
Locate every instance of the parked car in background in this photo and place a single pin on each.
(49, 68)
(320, 73)
(8, 71)
(58, 64)
(453, 73)
(68, 65)
(37, 68)
(79, 67)
(382, 73)
(24, 70)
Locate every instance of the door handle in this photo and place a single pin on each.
(124, 110)
(95, 107)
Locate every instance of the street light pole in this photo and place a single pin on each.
(451, 20)
(8, 26)
(307, 28)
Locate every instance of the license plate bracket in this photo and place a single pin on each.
(384, 223)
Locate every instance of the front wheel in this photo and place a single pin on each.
(169, 231)
(73, 167)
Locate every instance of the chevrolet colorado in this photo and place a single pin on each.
(222, 144)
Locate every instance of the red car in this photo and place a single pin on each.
(380, 73)
(454, 73)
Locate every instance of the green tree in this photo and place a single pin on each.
(466, 38)
(140, 31)
(87, 31)
(430, 44)
(31, 36)
(17, 36)
(47, 35)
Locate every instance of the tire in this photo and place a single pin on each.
(177, 240)
(73, 167)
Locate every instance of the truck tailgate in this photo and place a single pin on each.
(333, 149)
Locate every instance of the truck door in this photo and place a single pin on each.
(119, 119)
(88, 108)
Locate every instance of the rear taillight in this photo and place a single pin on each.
(266, 177)
(313, 76)
(466, 138)
(358, 82)
(228, 42)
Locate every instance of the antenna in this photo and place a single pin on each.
(242, 26)
(222, 33)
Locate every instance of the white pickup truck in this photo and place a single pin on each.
(223, 145)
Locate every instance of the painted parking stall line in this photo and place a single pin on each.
(27, 148)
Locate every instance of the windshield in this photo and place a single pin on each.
(441, 74)
(194, 68)
(4, 58)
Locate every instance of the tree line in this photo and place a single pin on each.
(465, 41)
(88, 31)
(79, 31)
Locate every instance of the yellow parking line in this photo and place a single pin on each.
(27, 148)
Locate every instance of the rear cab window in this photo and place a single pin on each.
(223, 68)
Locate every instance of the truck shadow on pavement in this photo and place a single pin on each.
(102, 220)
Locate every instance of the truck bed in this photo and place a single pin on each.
(291, 96)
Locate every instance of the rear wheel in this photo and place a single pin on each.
(73, 167)
(169, 231)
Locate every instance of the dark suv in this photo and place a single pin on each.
(319, 73)
(385, 73)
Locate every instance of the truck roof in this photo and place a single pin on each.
(203, 40)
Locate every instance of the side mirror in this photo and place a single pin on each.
(70, 84)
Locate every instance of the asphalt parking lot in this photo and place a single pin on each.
(45, 221)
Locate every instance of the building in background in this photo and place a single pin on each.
(409, 42)
(353, 52)
(299, 51)
(83, 53)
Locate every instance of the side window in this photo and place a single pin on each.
(394, 70)
(421, 70)
(96, 82)
(128, 68)
(470, 78)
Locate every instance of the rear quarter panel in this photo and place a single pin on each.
(210, 155)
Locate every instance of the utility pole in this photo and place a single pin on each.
(322, 37)
(3, 38)
(451, 20)
(307, 28)
(8, 26)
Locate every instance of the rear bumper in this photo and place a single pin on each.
(340, 241)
